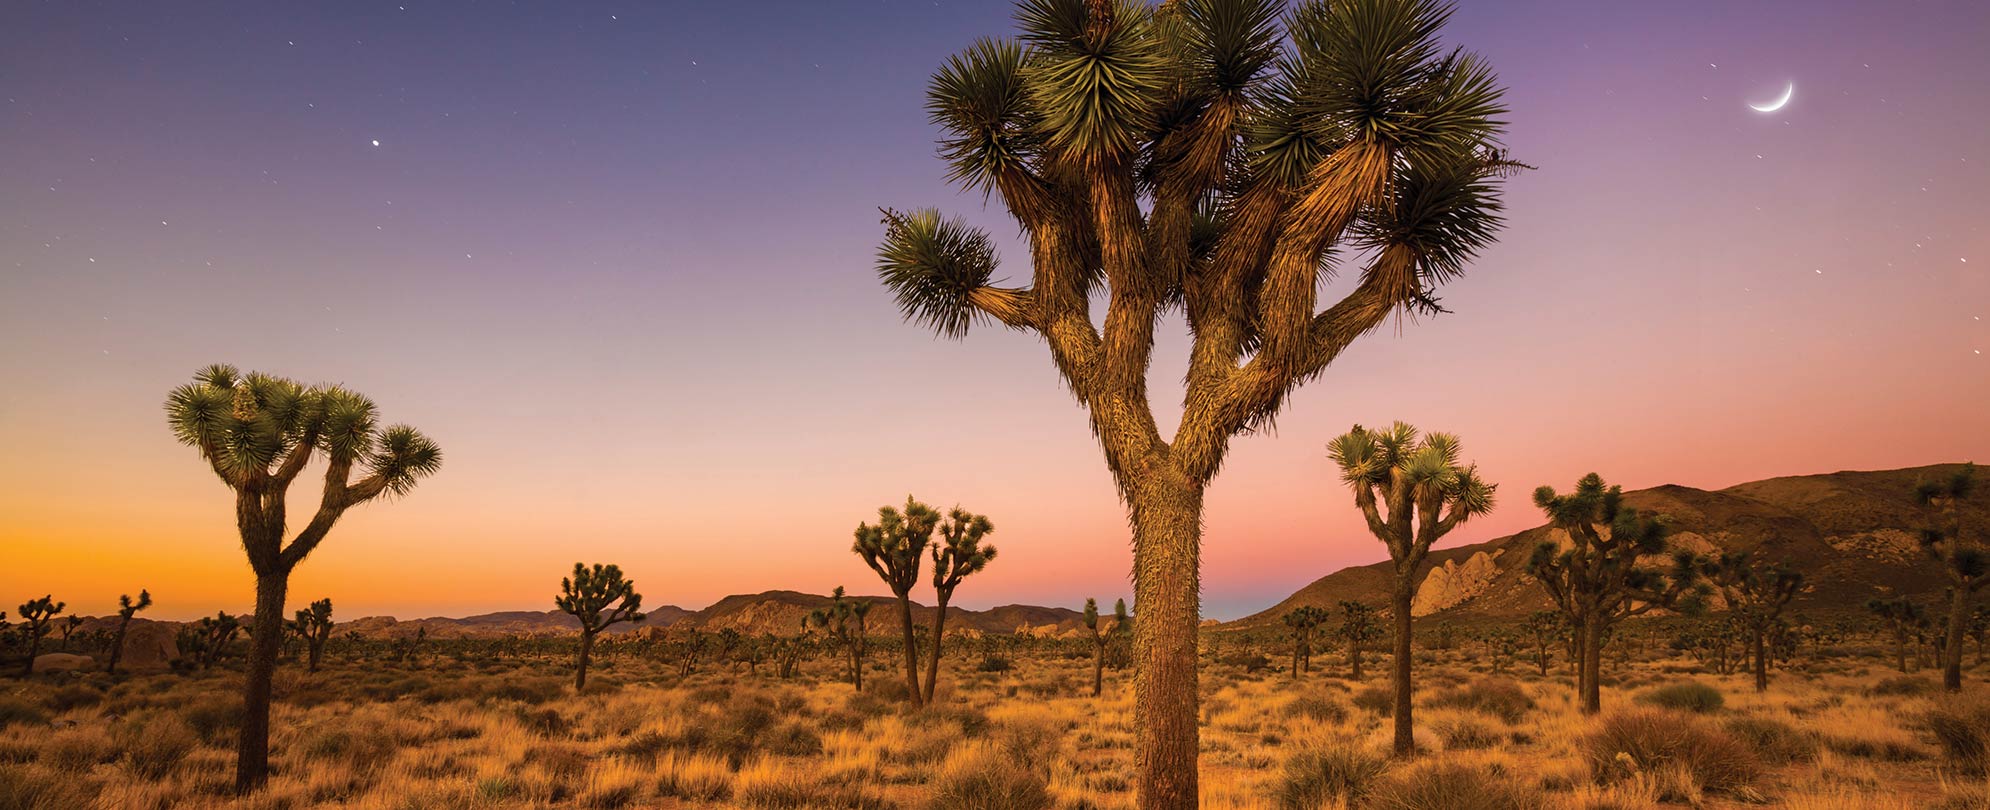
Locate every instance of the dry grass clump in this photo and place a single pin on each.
(1902, 686)
(1378, 699)
(15, 710)
(1962, 728)
(1450, 786)
(1318, 776)
(1691, 754)
(1775, 741)
(1318, 708)
(1495, 697)
(984, 776)
(1689, 696)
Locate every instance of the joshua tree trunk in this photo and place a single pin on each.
(586, 652)
(1098, 667)
(317, 649)
(1952, 651)
(1167, 543)
(1296, 645)
(1405, 736)
(911, 648)
(1761, 660)
(117, 644)
(1354, 659)
(265, 640)
(1589, 677)
(1900, 649)
(34, 649)
(933, 655)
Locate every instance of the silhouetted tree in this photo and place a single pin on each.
(1102, 636)
(1756, 596)
(1596, 580)
(894, 548)
(1963, 560)
(126, 608)
(1543, 628)
(37, 615)
(1177, 155)
(1899, 615)
(1413, 490)
(205, 642)
(1358, 625)
(958, 555)
(835, 619)
(585, 596)
(314, 625)
(258, 433)
(1303, 620)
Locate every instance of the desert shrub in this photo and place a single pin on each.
(1378, 699)
(16, 710)
(1903, 686)
(1248, 661)
(1315, 707)
(972, 722)
(1648, 742)
(1962, 728)
(1496, 697)
(365, 749)
(77, 749)
(1441, 786)
(1775, 741)
(215, 718)
(601, 686)
(25, 788)
(769, 786)
(72, 696)
(154, 748)
(1690, 696)
(530, 691)
(698, 778)
(547, 721)
(793, 740)
(994, 663)
(982, 777)
(1317, 776)
(888, 690)
(1465, 733)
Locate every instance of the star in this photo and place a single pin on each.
(376, 141)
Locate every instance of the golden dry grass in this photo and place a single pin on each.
(448, 734)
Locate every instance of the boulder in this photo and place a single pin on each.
(1451, 584)
(63, 662)
(148, 645)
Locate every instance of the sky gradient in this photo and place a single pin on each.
(616, 258)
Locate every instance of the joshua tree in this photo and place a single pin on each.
(206, 641)
(1102, 637)
(1596, 580)
(126, 608)
(68, 628)
(314, 625)
(893, 548)
(1303, 620)
(1964, 560)
(37, 615)
(1543, 627)
(1182, 155)
(1413, 490)
(835, 619)
(258, 433)
(1900, 615)
(589, 592)
(1756, 596)
(1358, 626)
(958, 555)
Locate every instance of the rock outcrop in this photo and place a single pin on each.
(1452, 584)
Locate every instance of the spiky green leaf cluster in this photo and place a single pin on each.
(599, 597)
(896, 544)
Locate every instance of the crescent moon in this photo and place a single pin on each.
(1778, 103)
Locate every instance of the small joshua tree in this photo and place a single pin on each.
(1358, 625)
(958, 555)
(68, 628)
(894, 549)
(1413, 490)
(126, 608)
(1543, 629)
(1101, 637)
(1596, 580)
(37, 615)
(586, 595)
(1756, 596)
(835, 620)
(1303, 620)
(258, 433)
(204, 643)
(1900, 616)
(1963, 560)
(314, 625)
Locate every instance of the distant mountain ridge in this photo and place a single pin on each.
(1853, 534)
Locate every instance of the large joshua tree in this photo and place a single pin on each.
(126, 608)
(1222, 158)
(1756, 595)
(37, 615)
(1413, 490)
(1963, 560)
(599, 598)
(258, 433)
(1596, 579)
(894, 548)
(958, 555)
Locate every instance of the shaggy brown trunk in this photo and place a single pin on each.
(1952, 651)
(1354, 659)
(1405, 735)
(1098, 666)
(586, 652)
(317, 651)
(266, 638)
(34, 648)
(1590, 677)
(117, 645)
(1296, 646)
(1167, 537)
(933, 655)
(911, 649)
(1761, 661)
(1900, 648)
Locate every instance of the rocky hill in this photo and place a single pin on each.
(1853, 534)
